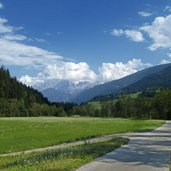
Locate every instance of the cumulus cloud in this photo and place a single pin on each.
(160, 32)
(144, 13)
(75, 72)
(70, 71)
(133, 35)
(113, 71)
(31, 81)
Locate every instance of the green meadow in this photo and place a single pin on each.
(17, 134)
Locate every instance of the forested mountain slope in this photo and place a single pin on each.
(10, 88)
(161, 79)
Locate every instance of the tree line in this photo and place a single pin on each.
(155, 104)
(17, 99)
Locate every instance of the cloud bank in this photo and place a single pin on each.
(113, 71)
(81, 72)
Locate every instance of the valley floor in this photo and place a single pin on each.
(65, 157)
(18, 134)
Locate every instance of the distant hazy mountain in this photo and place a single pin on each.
(116, 85)
(62, 91)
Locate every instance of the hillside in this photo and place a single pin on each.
(116, 85)
(161, 79)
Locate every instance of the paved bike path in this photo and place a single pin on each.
(145, 152)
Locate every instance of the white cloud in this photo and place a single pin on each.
(15, 53)
(31, 81)
(118, 32)
(144, 13)
(113, 71)
(166, 61)
(5, 28)
(160, 32)
(70, 71)
(16, 37)
(133, 35)
(167, 8)
(75, 72)
(1, 5)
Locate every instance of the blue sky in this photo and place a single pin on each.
(94, 40)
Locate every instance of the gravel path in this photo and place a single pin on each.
(144, 152)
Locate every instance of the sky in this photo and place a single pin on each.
(93, 40)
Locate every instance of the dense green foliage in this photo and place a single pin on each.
(149, 104)
(10, 88)
(67, 159)
(22, 133)
(17, 99)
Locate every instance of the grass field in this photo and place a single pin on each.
(60, 160)
(17, 134)
(96, 105)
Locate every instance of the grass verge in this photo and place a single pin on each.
(60, 160)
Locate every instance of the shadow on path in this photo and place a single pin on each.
(145, 151)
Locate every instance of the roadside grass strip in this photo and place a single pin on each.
(67, 159)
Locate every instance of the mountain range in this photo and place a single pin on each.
(62, 91)
(65, 91)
